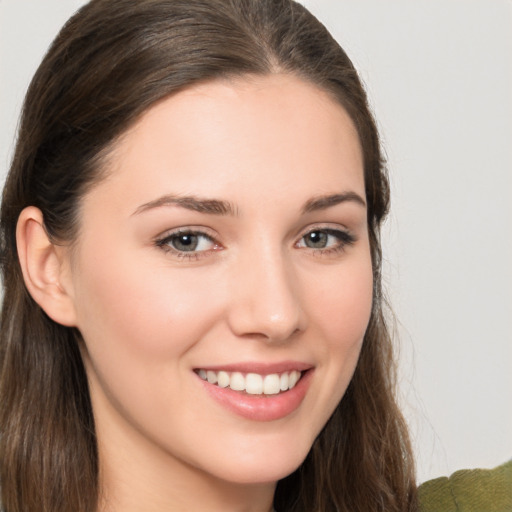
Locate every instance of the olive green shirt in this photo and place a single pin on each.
(474, 490)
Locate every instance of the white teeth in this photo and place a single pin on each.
(283, 382)
(223, 379)
(252, 383)
(294, 378)
(271, 384)
(237, 382)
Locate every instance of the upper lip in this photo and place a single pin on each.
(259, 367)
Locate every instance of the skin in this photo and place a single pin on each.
(255, 291)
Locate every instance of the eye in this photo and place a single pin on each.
(187, 242)
(326, 239)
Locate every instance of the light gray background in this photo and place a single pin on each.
(439, 76)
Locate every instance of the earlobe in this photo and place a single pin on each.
(45, 267)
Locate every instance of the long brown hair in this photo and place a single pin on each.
(110, 63)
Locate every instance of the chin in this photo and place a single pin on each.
(262, 467)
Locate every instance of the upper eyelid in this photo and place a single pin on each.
(195, 230)
(327, 226)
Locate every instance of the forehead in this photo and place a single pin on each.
(263, 136)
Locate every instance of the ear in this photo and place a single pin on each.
(45, 267)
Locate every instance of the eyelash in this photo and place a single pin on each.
(165, 244)
(344, 239)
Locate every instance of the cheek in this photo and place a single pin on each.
(342, 306)
(341, 311)
(139, 327)
(139, 309)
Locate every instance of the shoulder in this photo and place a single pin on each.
(475, 490)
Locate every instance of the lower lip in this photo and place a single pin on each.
(261, 407)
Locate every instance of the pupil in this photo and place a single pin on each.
(317, 239)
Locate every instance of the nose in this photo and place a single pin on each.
(266, 300)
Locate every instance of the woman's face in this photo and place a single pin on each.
(228, 242)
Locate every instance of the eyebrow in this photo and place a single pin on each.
(201, 205)
(220, 207)
(327, 201)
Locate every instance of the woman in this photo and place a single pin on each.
(193, 313)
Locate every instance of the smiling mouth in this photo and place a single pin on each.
(252, 383)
